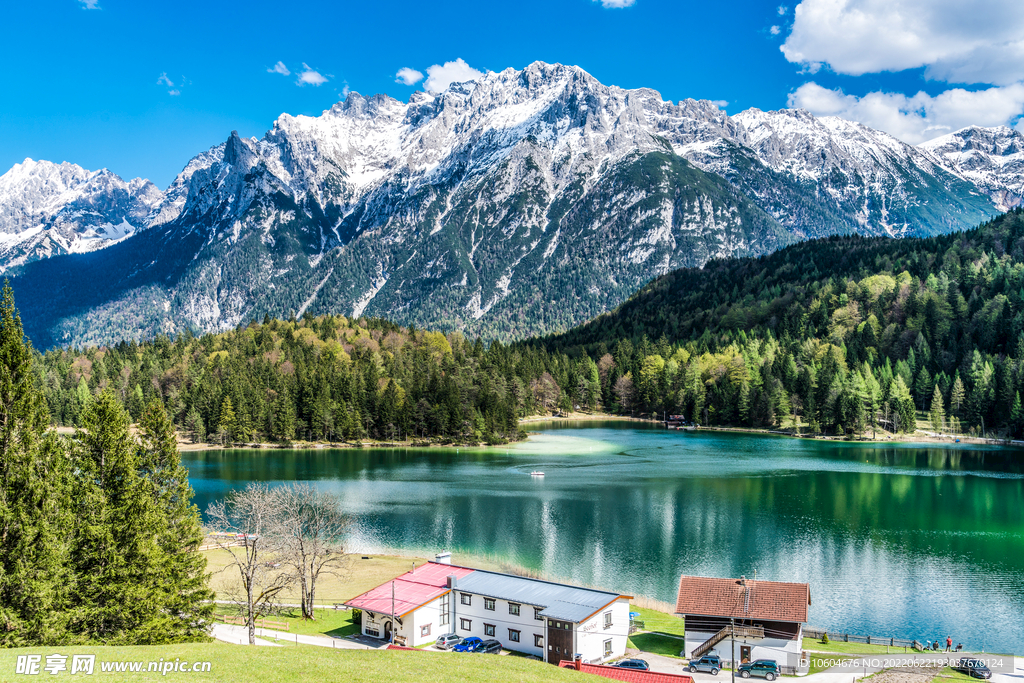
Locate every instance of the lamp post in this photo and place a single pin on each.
(732, 632)
(392, 611)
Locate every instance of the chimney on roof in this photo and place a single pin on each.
(743, 580)
(443, 558)
(453, 581)
(578, 662)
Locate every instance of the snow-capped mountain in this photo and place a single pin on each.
(48, 209)
(524, 202)
(991, 158)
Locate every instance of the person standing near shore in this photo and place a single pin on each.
(949, 643)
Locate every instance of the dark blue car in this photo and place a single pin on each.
(468, 645)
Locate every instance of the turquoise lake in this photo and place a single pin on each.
(904, 540)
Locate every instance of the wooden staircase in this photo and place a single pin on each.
(740, 631)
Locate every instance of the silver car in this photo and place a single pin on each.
(447, 641)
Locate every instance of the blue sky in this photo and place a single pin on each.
(140, 87)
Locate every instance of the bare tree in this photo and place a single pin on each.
(310, 529)
(244, 522)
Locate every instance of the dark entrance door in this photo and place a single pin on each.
(744, 654)
(387, 631)
(559, 641)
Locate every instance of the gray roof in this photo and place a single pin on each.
(559, 601)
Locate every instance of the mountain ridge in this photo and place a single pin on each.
(523, 202)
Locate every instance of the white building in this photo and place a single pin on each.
(742, 620)
(550, 620)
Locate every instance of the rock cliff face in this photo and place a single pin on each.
(521, 203)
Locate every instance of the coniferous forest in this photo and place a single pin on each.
(836, 336)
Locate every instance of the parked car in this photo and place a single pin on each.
(468, 645)
(973, 668)
(638, 664)
(447, 641)
(489, 647)
(712, 663)
(768, 669)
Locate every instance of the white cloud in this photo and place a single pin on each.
(164, 80)
(310, 76)
(918, 118)
(721, 104)
(90, 4)
(440, 76)
(408, 76)
(175, 93)
(782, 10)
(775, 30)
(616, 4)
(279, 68)
(959, 42)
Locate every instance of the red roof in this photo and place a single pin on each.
(763, 600)
(629, 675)
(411, 590)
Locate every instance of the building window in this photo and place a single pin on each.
(425, 630)
(466, 624)
(607, 620)
(607, 648)
(513, 608)
(488, 629)
(513, 635)
(489, 604)
(536, 614)
(444, 608)
(373, 631)
(551, 622)
(538, 640)
(467, 599)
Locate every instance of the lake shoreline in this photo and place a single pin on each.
(882, 437)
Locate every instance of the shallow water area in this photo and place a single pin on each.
(905, 540)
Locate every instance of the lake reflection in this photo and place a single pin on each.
(902, 540)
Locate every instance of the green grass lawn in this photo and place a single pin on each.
(660, 628)
(329, 622)
(815, 645)
(243, 664)
(659, 621)
(948, 675)
(656, 643)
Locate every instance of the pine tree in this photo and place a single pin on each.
(121, 589)
(938, 412)
(227, 425)
(33, 504)
(957, 395)
(188, 603)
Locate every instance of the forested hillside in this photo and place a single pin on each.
(835, 335)
(318, 378)
(838, 333)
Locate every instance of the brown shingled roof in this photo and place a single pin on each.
(768, 600)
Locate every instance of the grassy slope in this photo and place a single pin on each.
(661, 628)
(359, 576)
(231, 663)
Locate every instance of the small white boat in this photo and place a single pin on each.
(536, 474)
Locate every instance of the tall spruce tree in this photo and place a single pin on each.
(33, 514)
(188, 602)
(122, 589)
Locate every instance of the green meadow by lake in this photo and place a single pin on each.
(895, 539)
